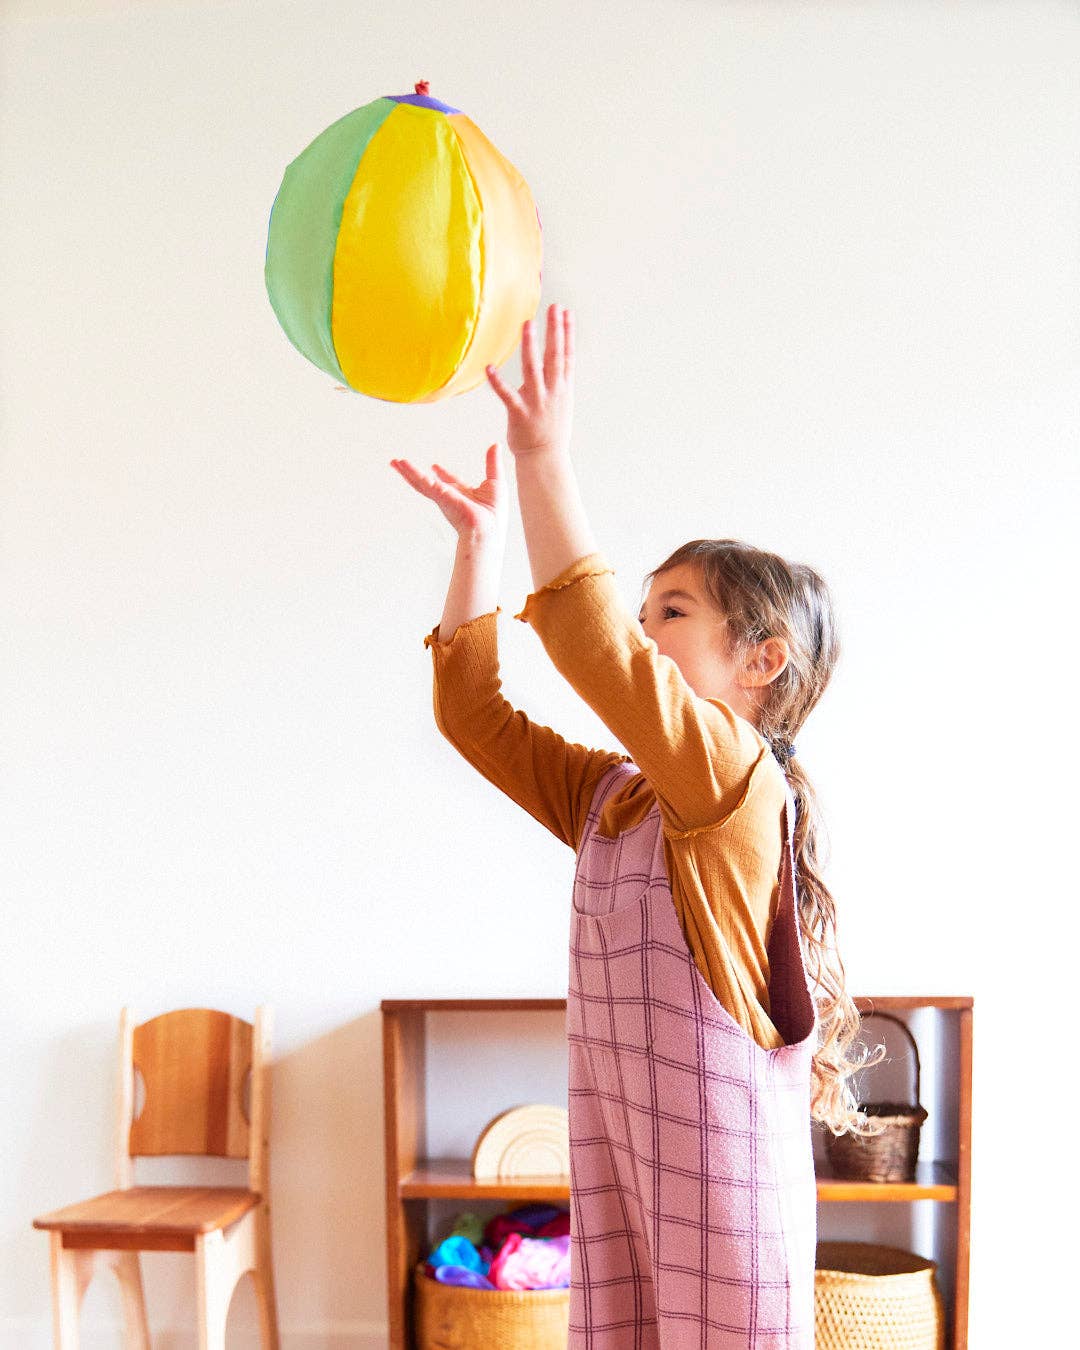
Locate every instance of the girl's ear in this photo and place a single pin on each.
(764, 662)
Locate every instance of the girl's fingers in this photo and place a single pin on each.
(408, 471)
(404, 468)
(491, 470)
(529, 366)
(422, 482)
(513, 403)
(452, 497)
(553, 353)
(414, 479)
(568, 344)
(549, 346)
(448, 477)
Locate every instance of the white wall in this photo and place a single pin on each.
(824, 261)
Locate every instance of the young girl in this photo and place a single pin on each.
(695, 1057)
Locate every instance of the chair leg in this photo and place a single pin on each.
(221, 1258)
(71, 1272)
(264, 1281)
(129, 1273)
(214, 1292)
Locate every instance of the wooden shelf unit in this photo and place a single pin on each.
(413, 1180)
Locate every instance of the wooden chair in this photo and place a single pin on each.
(194, 1063)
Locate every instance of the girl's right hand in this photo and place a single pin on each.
(477, 513)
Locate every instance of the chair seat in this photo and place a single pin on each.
(180, 1211)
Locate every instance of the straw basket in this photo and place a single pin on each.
(875, 1298)
(890, 1155)
(449, 1315)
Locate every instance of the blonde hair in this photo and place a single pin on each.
(763, 596)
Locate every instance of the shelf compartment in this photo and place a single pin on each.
(415, 1182)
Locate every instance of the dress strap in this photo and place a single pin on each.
(604, 788)
(791, 1003)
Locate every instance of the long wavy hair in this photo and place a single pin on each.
(761, 596)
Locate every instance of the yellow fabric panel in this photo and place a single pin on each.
(408, 267)
(512, 252)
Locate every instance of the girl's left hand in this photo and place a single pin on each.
(478, 514)
(540, 414)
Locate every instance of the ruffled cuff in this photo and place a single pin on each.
(481, 623)
(592, 565)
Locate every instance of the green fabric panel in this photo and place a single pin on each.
(304, 223)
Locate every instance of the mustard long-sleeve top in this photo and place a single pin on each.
(719, 788)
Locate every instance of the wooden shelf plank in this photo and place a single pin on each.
(908, 1003)
(452, 1178)
(396, 1005)
(933, 1181)
(883, 1003)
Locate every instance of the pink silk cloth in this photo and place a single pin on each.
(532, 1263)
(692, 1192)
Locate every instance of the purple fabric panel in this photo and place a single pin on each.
(693, 1204)
(422, 101)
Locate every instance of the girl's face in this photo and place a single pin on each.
(687, 627)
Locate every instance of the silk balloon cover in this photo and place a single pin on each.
(404, 251)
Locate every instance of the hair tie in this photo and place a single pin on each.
(783, 750)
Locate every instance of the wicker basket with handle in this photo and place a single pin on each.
(868, 1297)
(891, 1154)
(457, 1317)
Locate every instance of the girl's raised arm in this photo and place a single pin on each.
(696, 753)
(538, 424)
(479, 516)
(551, 778)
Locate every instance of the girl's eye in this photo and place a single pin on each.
(668, 612)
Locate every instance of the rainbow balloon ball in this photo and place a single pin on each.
(404, 251)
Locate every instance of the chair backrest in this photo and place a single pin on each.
(194, 1064)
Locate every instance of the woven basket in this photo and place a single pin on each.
(455, 1317)
(891, 1154)
(875, 1298)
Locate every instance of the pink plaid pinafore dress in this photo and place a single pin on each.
(692, 1193)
